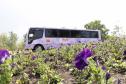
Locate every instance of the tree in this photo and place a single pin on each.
(20, 44)
(12, 40)
(8, 41)
(3, 41)
(96, 25)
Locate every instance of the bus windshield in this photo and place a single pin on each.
(34, 34)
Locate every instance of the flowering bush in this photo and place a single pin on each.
(91, 63)
(96, 73)
(5, 69)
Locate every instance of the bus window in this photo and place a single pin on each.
(89, 34)
(94, 34)
(35, 34)
(38, 34)
(51, 33)
(64, 33)
(85, 34)
(75, 34)
(80, 34)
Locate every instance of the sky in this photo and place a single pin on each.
(19, 15)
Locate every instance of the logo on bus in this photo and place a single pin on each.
(65, 39)
(48, 40)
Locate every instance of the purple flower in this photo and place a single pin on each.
(1, 62)
(107, 76)
(118, 81)
(124, 53)
(33, 57)
(69, 44)
(4, 54)
(94, 46)
(46, 59)
(79, 41)
(13, 65)
(87, 52)
(81, 64)
(103, 68)
(96, 60)
(81, 58)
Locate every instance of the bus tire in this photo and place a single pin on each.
(37, 47)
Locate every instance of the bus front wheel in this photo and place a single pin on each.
(38, 48)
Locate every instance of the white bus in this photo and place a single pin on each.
(46, 38)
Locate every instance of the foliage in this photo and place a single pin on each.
(25, 67)
(3, 41)
(20, 45)
(8, 41)
(12, 39)
(44, 66)
(5, 72)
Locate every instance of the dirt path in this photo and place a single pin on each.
(119, 79)
(67, 78)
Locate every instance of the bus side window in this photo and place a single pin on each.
(38, 34)
(51, 33)
(75, 34)
(94, 34)
(64, 33)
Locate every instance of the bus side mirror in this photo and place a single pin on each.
(25, 37)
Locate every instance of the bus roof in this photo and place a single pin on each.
(62, 28)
